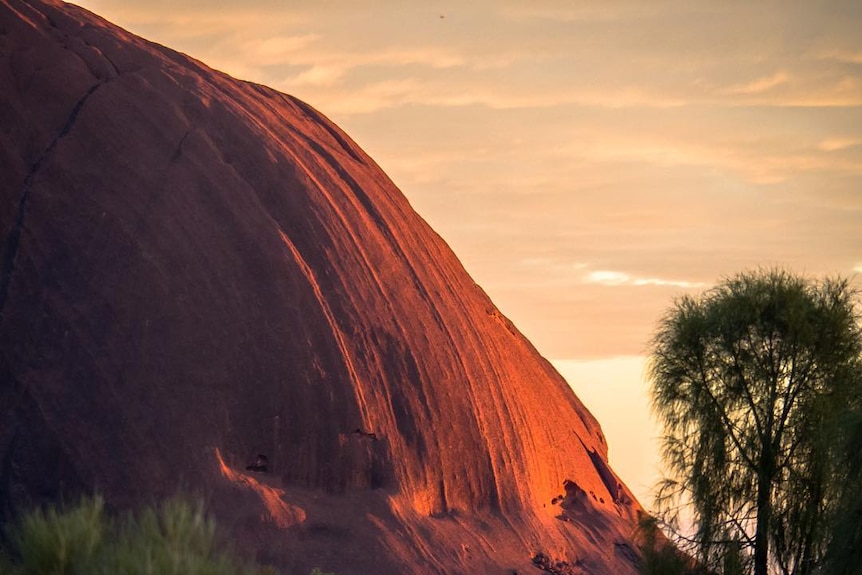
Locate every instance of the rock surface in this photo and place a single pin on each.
(197, 270)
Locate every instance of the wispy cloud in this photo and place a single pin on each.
(274, 50)
(508, 56)
(320, 76)
(617, 278)
(844, 56)
(835, 144)
(760, 85)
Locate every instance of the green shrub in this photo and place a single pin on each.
(58, 543)
(178, 538)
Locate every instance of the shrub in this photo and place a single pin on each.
(177, 538)
(54, 542)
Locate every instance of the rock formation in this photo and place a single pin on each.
(197, 271)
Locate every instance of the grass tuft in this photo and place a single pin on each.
(176, 538)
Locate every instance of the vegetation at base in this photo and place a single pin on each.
(758, 383)
(661, 557)
(177, 538)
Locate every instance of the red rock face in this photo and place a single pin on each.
(197, 270)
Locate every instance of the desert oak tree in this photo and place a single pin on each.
(749, 380)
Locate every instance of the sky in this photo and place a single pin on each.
(587, 161)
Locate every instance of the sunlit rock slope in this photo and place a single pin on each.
(197, 270)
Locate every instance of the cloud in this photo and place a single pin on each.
(506, 55)
(275, 50)
(760, 85)
(838, 143)
(549, 271)
(364, 99)
(188, 20)
(843, 56)
(671, 283)
(316, 76)
(417, 89)
(590, 13)
(616, 278)
(609, 278)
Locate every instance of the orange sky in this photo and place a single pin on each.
(586, 160)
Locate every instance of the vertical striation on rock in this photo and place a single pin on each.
(197, 270)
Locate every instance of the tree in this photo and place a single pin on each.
(749, 380)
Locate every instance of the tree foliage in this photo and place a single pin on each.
(844, 554)
(750, 380)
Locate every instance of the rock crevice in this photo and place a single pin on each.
(13, 238)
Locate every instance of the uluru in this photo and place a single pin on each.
(206, 285)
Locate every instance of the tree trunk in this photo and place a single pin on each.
(764, 515)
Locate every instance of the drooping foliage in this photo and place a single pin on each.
(844, 554)
(750, 380)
